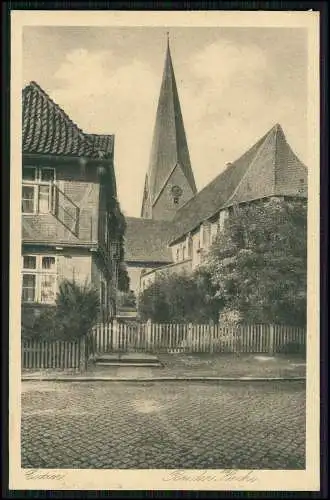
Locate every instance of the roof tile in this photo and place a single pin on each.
(47, 129)
(146, 240)
(269, 168)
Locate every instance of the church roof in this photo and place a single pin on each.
(47, 129)
(268, 168)
(146, 240)
(169, 145)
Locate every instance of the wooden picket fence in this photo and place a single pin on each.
(151, 337)
(60, 354)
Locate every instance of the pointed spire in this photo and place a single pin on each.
(169, 146)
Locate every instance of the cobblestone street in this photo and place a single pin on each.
(163, 425)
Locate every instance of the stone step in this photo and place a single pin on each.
(121, 363)
(127, 359)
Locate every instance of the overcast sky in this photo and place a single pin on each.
(234, 84)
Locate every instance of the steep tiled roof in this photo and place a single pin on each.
(47, 129)
(269, 168)
(146, 240)
(104, 144)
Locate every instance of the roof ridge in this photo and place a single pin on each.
(252, 162)
(173, 88)
(278, 131)
(189, 174)
(228, 167)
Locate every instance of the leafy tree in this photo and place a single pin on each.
(123, 278)
(258, 263)
(179, 298)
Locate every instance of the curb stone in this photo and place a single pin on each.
(161, 379)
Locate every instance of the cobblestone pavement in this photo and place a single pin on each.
(163, 425)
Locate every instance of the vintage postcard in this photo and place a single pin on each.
(164, 320)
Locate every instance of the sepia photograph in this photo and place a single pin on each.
(165, 302)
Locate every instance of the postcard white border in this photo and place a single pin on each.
(75, 479)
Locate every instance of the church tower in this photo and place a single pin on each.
(169, 182)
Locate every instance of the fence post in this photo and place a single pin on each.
(190, 338)
(271, 340)
(82, 360)
(211, 335)
(115, 334)
(149, 332)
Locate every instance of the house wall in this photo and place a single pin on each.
(77, 267)
(134, 273)
(82, 186)
(198, 243)
(81, 265)
(68, 264)
(184, 267)
(136, 269)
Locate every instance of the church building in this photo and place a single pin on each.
(177, 223)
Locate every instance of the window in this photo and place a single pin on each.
(176, 193)
(206, 232)
(190, 246)
(39, 279)
(222, 219)
(37, 189)
(214, 232)
(184, 252)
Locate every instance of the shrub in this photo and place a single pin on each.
(179, 298)
(38, 324)
(77, 308)
(75, 312)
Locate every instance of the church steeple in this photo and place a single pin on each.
(170, 181)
